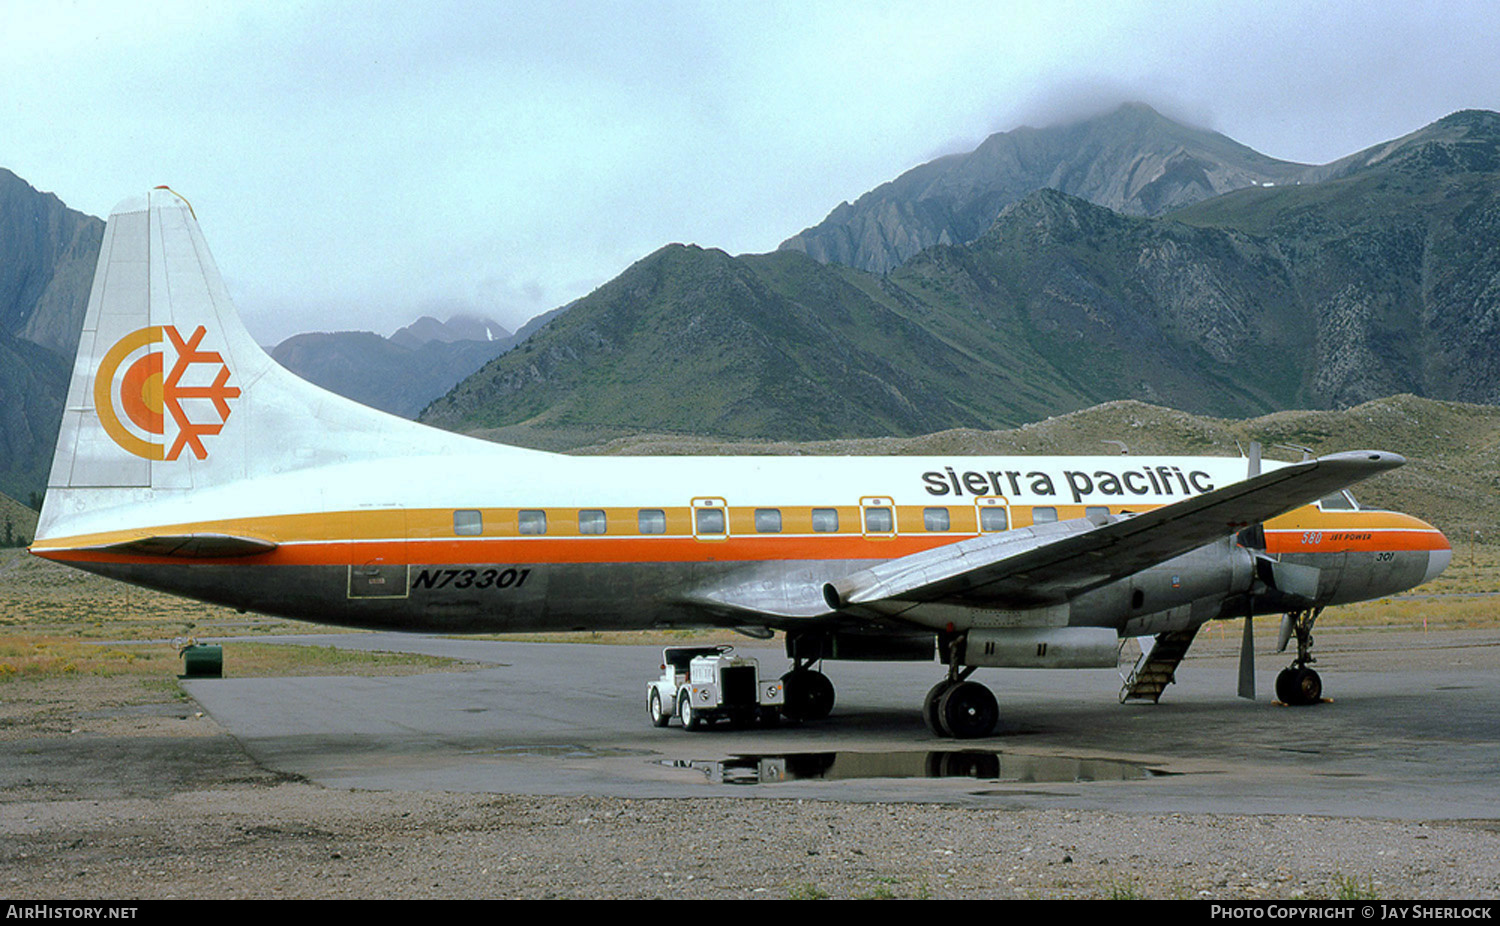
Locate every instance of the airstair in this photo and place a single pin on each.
(1157, 667)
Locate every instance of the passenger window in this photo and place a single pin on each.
(591, 521)
(825, 520)
(936, 519)
(468, 522)
(1093, 510)
(532, 522)
(652, 521)
(878, 521)
(709, 520)
(768, 520)
(1043, 515)
(993, 519)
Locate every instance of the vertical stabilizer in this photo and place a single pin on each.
(170, 393)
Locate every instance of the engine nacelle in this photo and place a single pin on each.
(1043, 648)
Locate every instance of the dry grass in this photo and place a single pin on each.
(60, 622)
(40, 597)
(25, 656)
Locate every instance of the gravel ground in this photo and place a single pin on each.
(294, 840)
(110, 798)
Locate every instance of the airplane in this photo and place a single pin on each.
(190, 462)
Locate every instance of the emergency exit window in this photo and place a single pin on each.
(879, 521)
(709, 520)
(993, 519)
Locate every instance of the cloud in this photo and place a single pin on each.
(351, 163)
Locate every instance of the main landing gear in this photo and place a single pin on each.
(1298, 684)
(808, 693)
(957, 707)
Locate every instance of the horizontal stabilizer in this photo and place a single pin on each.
(190, 546)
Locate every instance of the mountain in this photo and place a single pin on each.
(17, 522)
(47, 257)
(1397, 258)
(33, 386)
(400, 374)
(696, 340)
(1132, 160)
(1378, 279)
(457, 328)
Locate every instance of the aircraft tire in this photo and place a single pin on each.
(809, 695)
(930, 712)
(659, 717)
(968, 710)
(1299, 687)
(1309, 687)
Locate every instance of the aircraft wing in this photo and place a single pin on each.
(1048, 564)
(1034, 566)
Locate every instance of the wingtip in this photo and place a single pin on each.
(1372, 459)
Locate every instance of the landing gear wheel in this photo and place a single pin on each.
(691, 719)
(930, 708)
(659, 717)
(809, 695)
(1299, 686)
(968, 710)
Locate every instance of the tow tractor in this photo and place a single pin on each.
(703, 684)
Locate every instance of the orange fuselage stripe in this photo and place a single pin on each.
(424, 537)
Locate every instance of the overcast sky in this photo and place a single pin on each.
(357, 164)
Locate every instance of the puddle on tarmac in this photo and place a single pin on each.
(976, 764)
(559, 751)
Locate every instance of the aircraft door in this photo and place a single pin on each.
(377, 553)
(993, 514)
(877, 517)
(710, 519)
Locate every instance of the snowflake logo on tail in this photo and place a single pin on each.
(140, 403)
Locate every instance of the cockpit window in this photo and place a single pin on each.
(1338, 501)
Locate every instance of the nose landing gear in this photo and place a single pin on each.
(1298, 684)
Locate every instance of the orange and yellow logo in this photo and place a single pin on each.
(138, 405)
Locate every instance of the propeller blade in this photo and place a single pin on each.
(1285, 635)
(1247, 662)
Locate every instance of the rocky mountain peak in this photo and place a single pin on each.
(1131, 159)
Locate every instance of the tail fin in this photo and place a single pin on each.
(171, 394)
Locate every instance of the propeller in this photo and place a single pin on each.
(1247, 641)
(1286, 586)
